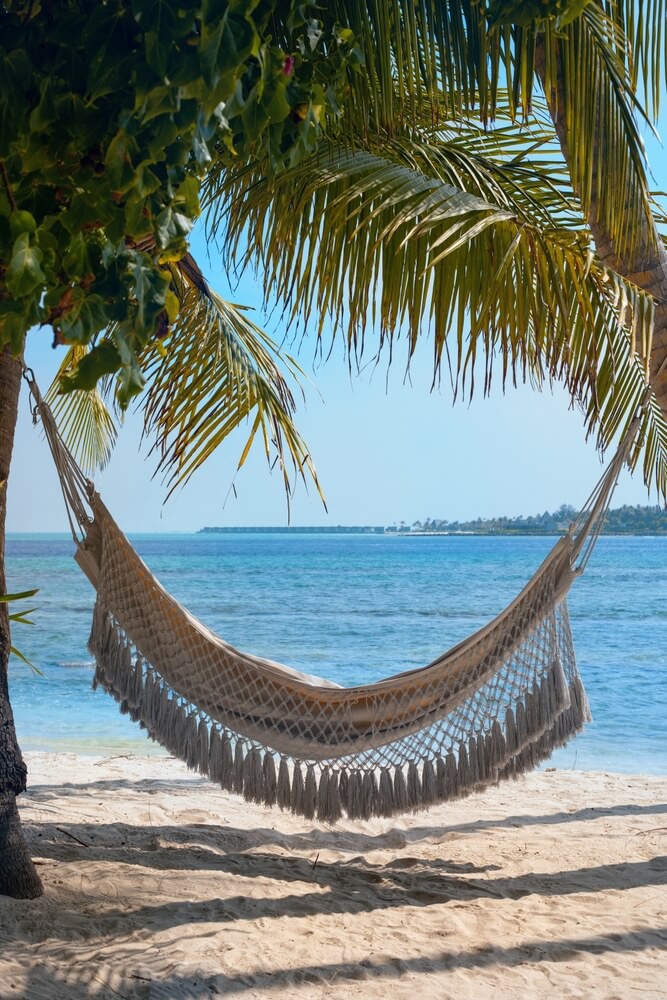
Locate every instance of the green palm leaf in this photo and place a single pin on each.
(84, 419)
(587, 72)
(203, 380)
(207, 378)
(385, 241)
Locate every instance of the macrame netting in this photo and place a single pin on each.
(490, 708)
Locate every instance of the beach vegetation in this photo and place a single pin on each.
(473, 171)
(20, 617)
(625, 520)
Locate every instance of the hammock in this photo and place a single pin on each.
(491, 708)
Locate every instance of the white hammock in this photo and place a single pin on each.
(491, 707)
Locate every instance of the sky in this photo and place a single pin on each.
(387, 449)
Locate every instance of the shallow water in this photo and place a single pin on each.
(354, 608)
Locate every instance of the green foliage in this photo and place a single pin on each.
(21, 617)
(624, 520)
(110, 116)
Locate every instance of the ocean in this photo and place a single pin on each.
(354, 608)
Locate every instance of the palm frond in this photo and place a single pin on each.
(206, 378)
(386, 242)
(645, 25)
(587, 73)
(84, 420)
(203, 380)
(435, 61)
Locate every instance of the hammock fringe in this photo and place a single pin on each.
(544, 718)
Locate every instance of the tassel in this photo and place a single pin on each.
(215, 757)
(355, 807)
(400, 791)
(129, 674)
(269, 785)
(156, 703)
(165, 724)
(429, 784)
(252, 776)
(453, 782)
(369, 796)
(580, 704)
(202, 747)
(163, 717)
(284, 790)
(168, 728)
(180, 732)
(297, 789)
(323, 796)
(441, 779)
(464, 770)
(343, 782)
(228, 772)
(386, 794)
(562, 690)
(521, 725)
(310, 793)
(532, 715)
(543, 703)
(473, 769)
(482, 770)
(191, 741)
(123, 671)
(136, 684)
(239, 761)
(334, 804)
(511, 735)
(496, 748)
(414, 787)
(148, 702)
(98, 677)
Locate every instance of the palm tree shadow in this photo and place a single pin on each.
(351, 885)
(81, 982)
(354, 840)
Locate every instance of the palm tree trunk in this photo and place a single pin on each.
(18, 876)
(646, 264)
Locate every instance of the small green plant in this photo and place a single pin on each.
(22, 618)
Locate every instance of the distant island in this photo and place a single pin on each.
(620, 521)
(328, 529)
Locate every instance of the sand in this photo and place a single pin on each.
(159, 885)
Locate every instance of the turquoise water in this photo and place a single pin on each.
(354, 608)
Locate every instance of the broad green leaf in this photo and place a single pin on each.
(103, 359)
(24, 274)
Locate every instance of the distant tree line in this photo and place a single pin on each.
(624, 520)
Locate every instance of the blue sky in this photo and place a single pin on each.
(386, 449)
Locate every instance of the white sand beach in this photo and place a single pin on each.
(159, 885)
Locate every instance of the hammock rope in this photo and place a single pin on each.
(491, 708)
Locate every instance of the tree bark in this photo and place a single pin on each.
(646, 264)
(18, 876)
